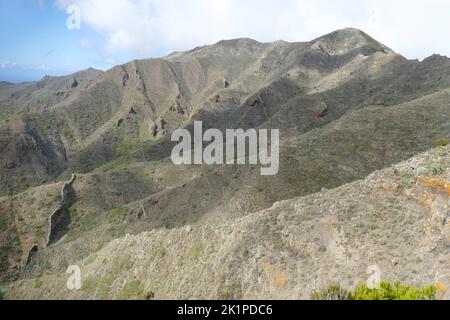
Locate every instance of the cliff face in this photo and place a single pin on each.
(346, 107)
(59, 221)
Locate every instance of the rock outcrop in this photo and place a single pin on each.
(33, 251)
(59, 221)
(72, 84)
(157, 127)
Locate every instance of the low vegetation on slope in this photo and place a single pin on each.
(395, 218)
(385, 291)
(141, 227)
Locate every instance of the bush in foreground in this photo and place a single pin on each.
(331, 292)
(442, 143)
(2, 295)
(386, 291)
(393, 291)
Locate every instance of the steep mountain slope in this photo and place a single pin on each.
(345, 105)
(397, 219)
(144, 100)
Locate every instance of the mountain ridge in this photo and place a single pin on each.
(242, 271)
(346, 106)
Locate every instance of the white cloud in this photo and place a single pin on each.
(84, 43)
(40, 3)
(149, 27)
(4, 64)
(8, 64)
(43, 67)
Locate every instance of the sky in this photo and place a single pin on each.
(57, 37)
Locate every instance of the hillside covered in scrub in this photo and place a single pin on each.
(86, 176)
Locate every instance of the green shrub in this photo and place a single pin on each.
(132, 290)
(122, 263)
(89, 284)
(2, 295)
(126, 146)
(436, 168)
(194, 251)
(232, 292)
(117, 215)
(331, 292)
(3, 223)
(4, 253)
(38, 283)
(406, 183)
(442, 143)
(386, 291)
(149, 296)
(104, 287)
(393, 291)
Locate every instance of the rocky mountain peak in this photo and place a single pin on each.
(343, 41)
